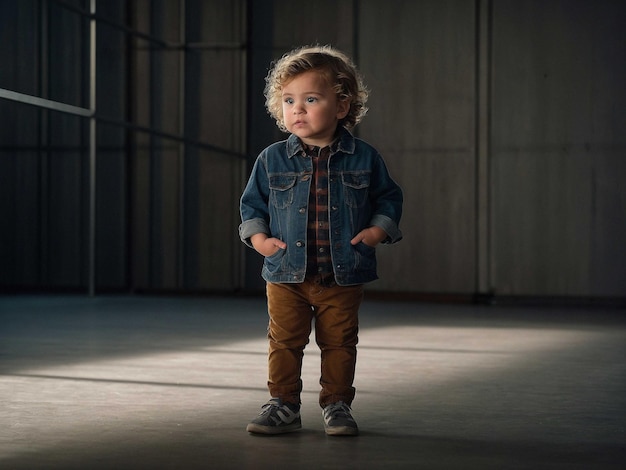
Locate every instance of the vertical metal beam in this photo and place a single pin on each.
(181, 145)
(482, 117)
(241, 167)
(260, 20)
(92, 149)
(44, 136)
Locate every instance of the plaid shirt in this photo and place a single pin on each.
(319, 262)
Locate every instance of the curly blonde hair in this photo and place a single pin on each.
(338, 70)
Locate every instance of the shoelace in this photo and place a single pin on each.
(279, 412)
(338, 410)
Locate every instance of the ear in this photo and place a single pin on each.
(343, 107)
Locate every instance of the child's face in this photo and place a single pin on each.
(311, 108)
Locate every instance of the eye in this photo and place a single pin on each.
(311, 99)
(289, 100)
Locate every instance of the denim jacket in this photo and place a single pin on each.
(361, 194)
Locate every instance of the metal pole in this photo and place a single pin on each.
(92, 150)
(43, 144)
(181, 145)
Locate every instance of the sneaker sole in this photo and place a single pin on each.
(341, 431)
(258, 429)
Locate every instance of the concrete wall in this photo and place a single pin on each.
(184, 197)
(419, 59)
(558, 148)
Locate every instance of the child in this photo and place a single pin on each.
(315, 207)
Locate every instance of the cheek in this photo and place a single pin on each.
(287, 111)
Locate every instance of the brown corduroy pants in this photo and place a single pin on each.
(292, 309)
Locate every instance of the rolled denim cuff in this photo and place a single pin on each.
(389, 226)
(252, 227)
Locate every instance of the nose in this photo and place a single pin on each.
(298, 108)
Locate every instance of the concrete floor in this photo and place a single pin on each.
(143, 382)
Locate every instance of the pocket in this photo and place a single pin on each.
(281, 190)
(274, 262)
(356, 187)
(364, 249)
(365, 256)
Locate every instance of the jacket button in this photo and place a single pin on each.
(302, 210)
(299, 243)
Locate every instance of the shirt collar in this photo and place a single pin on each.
(343, 143)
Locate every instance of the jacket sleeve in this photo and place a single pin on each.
(386, 199)
(253, 205)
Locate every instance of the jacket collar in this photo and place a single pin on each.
(344, 143)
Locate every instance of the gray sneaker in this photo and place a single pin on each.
(276, 417)
(338, 420)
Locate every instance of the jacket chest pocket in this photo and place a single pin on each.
(281, 190)
(355, 187)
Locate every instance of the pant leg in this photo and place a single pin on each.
(290, 316)
(336, 333)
